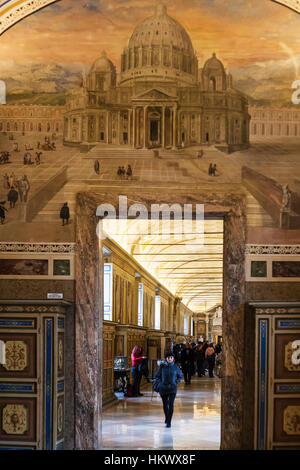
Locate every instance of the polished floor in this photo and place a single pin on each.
(138, 423)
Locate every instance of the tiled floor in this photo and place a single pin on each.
(138, 423)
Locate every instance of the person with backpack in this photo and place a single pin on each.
(166, 379)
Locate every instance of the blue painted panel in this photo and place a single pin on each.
(8, 387)
(18, 323)
(263, 384)
(48, 382)
(289, 324)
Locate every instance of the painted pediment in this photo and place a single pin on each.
(154, 95)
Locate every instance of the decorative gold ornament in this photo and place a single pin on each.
(293, 4)
(291, 420)
(60, 418)
(15, 419)
(292, 356)
(16, 355)
(60, 354)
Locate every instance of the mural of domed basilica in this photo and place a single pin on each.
(161, 97)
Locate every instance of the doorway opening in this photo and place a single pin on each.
(162, 289)
(154, 130)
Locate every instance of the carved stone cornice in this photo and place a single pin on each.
(16, 247)
(272, 249)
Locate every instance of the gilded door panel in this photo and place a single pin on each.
(287, 420)
(21, 358)
(287, 356)
(18, 419)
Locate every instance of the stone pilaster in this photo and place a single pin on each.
(88, 328)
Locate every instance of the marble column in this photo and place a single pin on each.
(145, 127)
(88, 327)
(134, 127)
(163, 130)
(107, 127)
(129, 125)
(233, 328)
(119, 127)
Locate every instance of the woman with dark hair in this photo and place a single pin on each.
(136, 359)
(166, 379)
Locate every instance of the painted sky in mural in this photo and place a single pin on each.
(258, 41)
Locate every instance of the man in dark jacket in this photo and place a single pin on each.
(187, 363)
(65, 213)
(166, 379)
(12, 197)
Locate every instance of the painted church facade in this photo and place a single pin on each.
(161, 98)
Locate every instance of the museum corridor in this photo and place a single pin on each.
(138, 423)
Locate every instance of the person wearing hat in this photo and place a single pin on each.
(65, 213)
(166, 379)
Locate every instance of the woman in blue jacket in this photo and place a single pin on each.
(166, 379)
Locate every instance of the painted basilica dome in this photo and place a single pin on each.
(159, 47)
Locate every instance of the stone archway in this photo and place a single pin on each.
(88, 316)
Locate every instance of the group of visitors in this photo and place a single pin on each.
(10, 183)
(184, 360)
(197, 358)
(212, 170)
(16, 188)
(28, 158)
(124, 174)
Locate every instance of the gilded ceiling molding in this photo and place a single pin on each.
(292, 4)
(12, 11)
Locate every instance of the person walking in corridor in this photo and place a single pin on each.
(136, 372)
(210, 356)
(187, 363)
(166, 379)
(200, 360)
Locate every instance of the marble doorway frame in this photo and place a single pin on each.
(231, 206)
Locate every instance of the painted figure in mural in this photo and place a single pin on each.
(129, 173)
(136, 360)
(286, 198)
(210, 169)
(187, 363)
(166, 379)
(97, 167)
(65, 213)
(6, 181)
(38, 157)
(12, 197)
(2, 211)
(24, 188)
(12, 180)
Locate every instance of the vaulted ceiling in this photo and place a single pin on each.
(186, 260)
